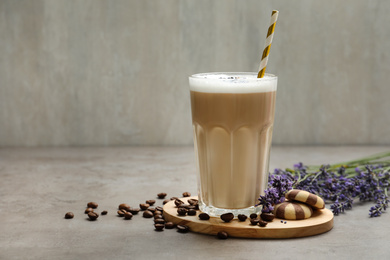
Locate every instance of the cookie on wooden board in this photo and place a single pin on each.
(292, 210)
(306, 197)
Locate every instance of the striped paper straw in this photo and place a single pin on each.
(268, 41)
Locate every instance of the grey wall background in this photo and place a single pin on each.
(115, 72)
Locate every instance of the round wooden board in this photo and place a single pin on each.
(320, 222)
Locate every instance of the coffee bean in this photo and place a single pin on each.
(152, 209)
(262, 223)
(222, 235)
(254, 221)
(144, 206)
(178, 202)
(104, 212)
(242, 217)
(159, 208)
(191, 212)
(166, 201)
(161, 195)
(192, 202)
(134, 211)
(267, 216)
(191, 207)
(169, 225)
(150, 202)
(159, 221)
(184, 206)
(93, 215)
(69, 215)
(158, 216)
(157, 212)
(182, 211)
(173, 198)
(93, 205)
(87, 210)
(159, 227)
(204, 216)
(253, 215)
(124, 206)
(186, 194)
(121, 213)
(128, 215)
(227, 217)
(147, 214)
(183, 228)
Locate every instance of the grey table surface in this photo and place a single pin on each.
(39, 185)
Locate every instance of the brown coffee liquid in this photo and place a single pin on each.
(232, 137)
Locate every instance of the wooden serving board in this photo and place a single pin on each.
(320, 222)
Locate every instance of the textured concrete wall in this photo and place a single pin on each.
(115, 72)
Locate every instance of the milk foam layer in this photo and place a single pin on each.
(238, 82)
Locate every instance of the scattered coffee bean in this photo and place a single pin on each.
(128, 215)
(104, 212)
(124, 206)
(191, 212)
(184, 206)
(93, 215)
(121, 213)
(93, 205)
(178, 202)
(262, 223)
(158, 216)
(134, 211)
(186, 194)
(174, 198)
(159, 208)
(227, 217)
(152, 209)
(144, 206)
(169, 225)
(204, 216)
(182, 211)
(159, 227)
(166, 201)
(159, 221)
(150, 202)
(222, 235)
(161, 195)
(242, 217)
(147, 214)
(267, 216)
(183, 228)
(87, 210)
(192, 202)
(157, 212)
(69, 215)
(254, 221)
(253, 215)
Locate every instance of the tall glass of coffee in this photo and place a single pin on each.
(232, 118)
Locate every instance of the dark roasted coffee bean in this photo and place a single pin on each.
(166, 201)
(121, 213)
(223, 235)
(253, 215)
(262, 223)
(104, 212)
(184, 205)
(159, 208)
(87, 210)
(254, 221)
(159, 221)
(186, 194)
(128, 215)
(134, 211)
(159, 227)
(147, 214)
(144, 206)
(182, 211)
(227, 217)
(242, 217)
(183, 228)
(204, 216)
(150, 202)
(161, 195)
(93, 215)
(169, 225)
(93, 205)
(69, 215)
(157, 212)
(173, 198)
(191, 212)
(267, 216)
(124, 206)
(191, 207)
(178, 202)
(157, 216)
(152, 209)
(192, 202)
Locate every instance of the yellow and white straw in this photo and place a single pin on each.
(268, 41)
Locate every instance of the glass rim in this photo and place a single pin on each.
(269, 76)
